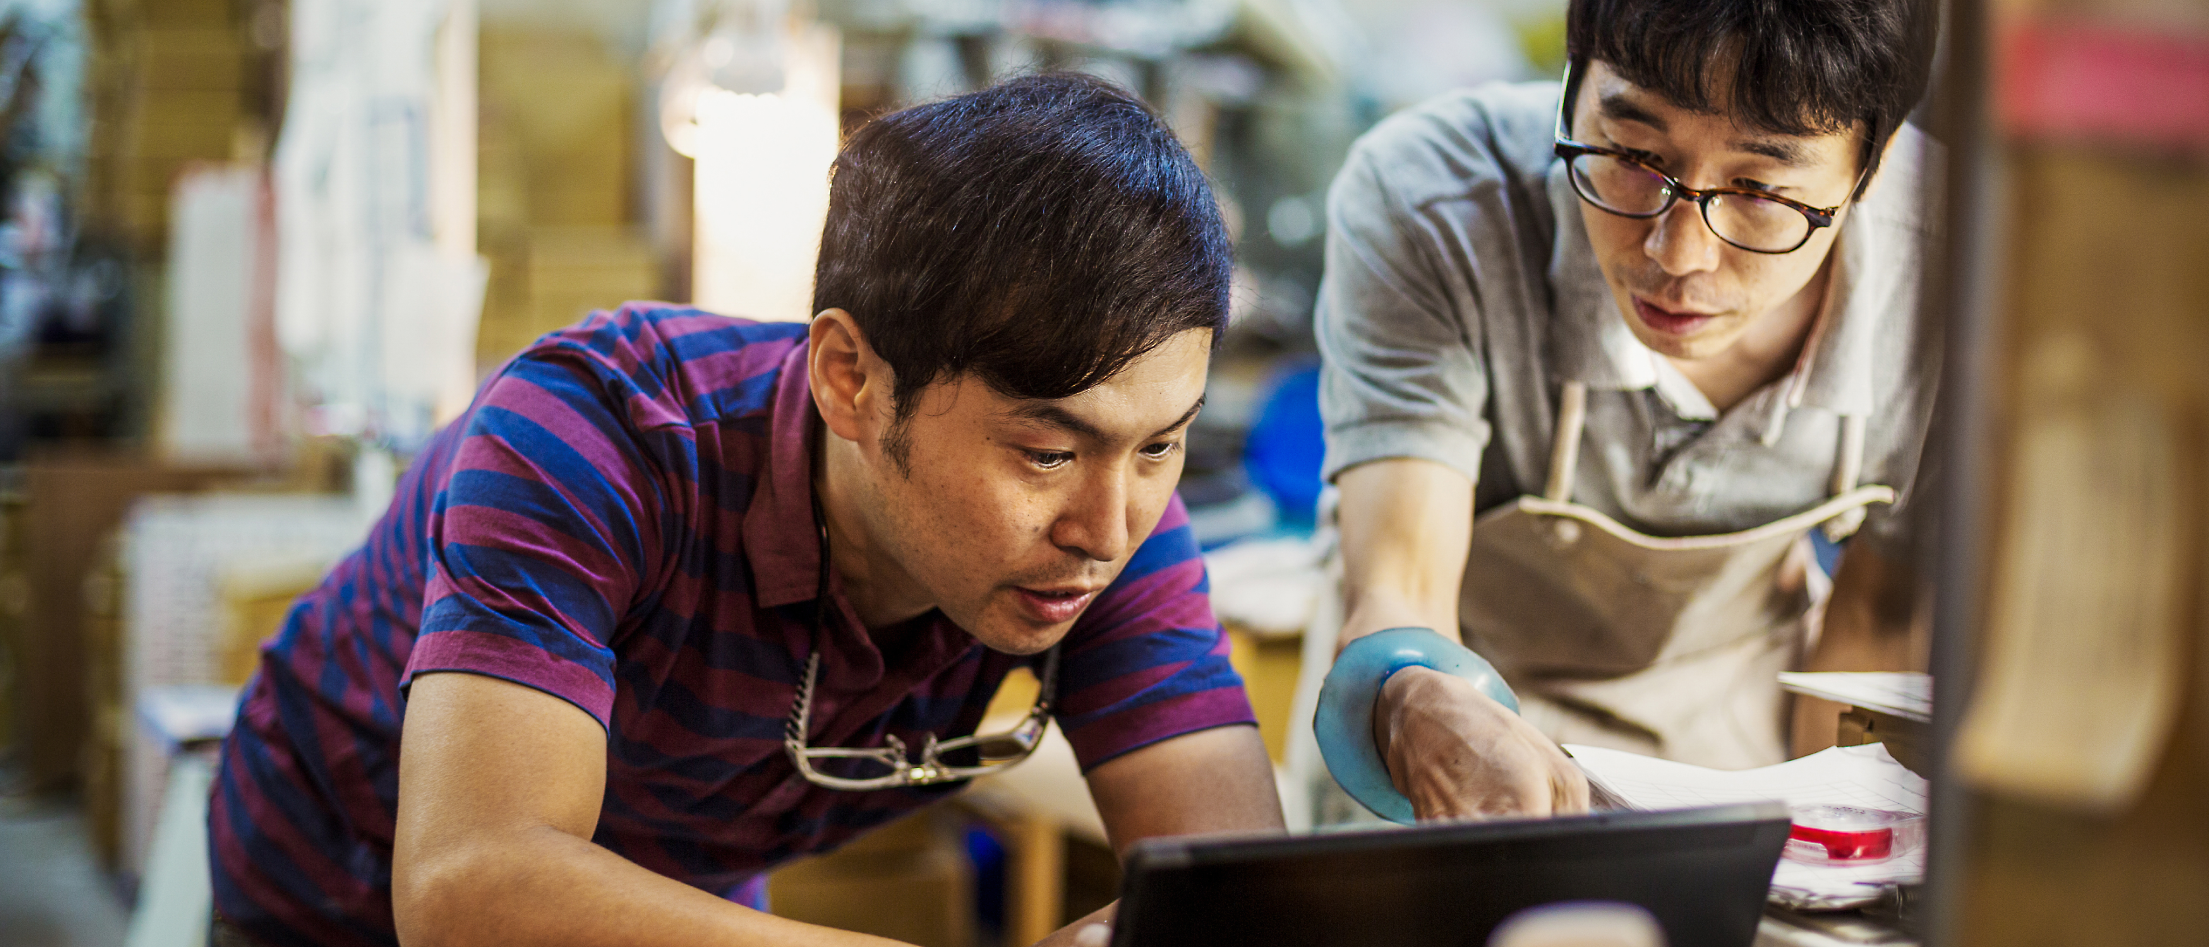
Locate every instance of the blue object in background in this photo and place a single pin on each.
(987, 855)
(1286, 447)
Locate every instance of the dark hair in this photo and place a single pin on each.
(1800, 67)
(1038, 235)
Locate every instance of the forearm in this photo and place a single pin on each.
(1406, 528)
(499, 794)
(1216, 780)
(546, 887)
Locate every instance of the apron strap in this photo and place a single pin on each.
(1848, 467)
(1564, 452)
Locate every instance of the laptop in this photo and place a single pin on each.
(1702, 873)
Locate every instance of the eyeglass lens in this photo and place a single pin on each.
(1000, 747)
(1635, 190)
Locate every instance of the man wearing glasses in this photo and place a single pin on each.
(683, 597)
(1598, 358)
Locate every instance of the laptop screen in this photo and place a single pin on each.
(1702, 873)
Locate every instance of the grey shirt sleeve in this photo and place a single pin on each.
(1401, 375)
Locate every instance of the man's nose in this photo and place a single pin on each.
(1094, 523)
(1681, 243)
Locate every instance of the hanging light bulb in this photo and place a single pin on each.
(740, 48)
(754, 102)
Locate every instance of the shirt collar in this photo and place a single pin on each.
(780, 537)
(783, 545)
(1873, 283)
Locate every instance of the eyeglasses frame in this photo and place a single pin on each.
(929, 770)
(1567, 149)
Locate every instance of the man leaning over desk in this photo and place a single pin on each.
(1599, 356)
(637, 605)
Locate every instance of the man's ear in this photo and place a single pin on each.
(850, 383)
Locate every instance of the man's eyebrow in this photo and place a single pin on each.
(1781, 150)
(1618, 108)
(1051, 414)
(1186, 416)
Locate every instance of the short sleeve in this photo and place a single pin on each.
(540, 535)
(1400, 375)
(1147, 661)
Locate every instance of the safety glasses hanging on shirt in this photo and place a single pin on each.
(890, 766)
(1621, 183)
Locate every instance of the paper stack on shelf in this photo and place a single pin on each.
(1862, 776)
(1901, 694)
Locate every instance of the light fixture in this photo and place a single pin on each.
(753, 101)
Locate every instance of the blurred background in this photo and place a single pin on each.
(254, 252)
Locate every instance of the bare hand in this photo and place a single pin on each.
(1457, 754)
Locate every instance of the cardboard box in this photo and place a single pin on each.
(169, 82)
(557, 125)
(15, 603)
(195, 59)
(558, 277)
(178, 13)
(186, 124)
(71, 504)
(100, 761)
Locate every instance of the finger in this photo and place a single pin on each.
(1535, 800)
(1568, 786)
(1571, 789)
(1094, 935)
(1523, 790)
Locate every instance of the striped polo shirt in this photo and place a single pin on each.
(623, 519)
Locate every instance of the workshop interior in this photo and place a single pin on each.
(1511, 473)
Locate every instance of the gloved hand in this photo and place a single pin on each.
(1456, 753)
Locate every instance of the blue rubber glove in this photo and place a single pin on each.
(1344, 722)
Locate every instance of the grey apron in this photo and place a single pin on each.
(1665, 646)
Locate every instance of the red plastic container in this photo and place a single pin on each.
(1829, 835)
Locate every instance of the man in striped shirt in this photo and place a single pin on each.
(661, 541)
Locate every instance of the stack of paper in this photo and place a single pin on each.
(1864, 776)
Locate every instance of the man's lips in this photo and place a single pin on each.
(1668, 321)
(1056, 605)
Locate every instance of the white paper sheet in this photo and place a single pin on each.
(1905, 695)
(1864, 776)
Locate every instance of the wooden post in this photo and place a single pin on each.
(2074, 695)
(1036, 884)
